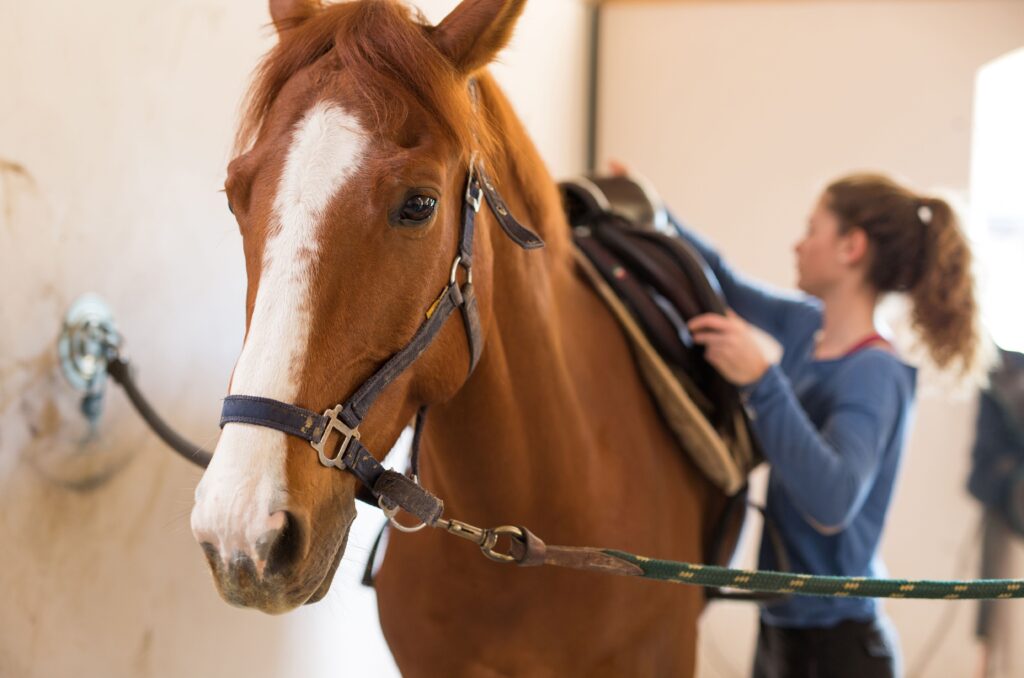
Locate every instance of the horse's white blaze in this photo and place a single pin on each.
(245, 483)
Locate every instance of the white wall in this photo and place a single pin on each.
(740, 112)
(116, 118)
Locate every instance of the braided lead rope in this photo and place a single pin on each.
(819, 585)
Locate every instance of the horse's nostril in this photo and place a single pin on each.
(282, 547)
(268, 539)
(212, 555)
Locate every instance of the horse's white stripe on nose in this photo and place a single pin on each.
(245, 483)
(325, 152)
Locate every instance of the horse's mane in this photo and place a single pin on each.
(387, 48)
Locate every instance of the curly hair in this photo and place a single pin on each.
(917, 247)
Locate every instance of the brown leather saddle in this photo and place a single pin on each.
(654, 282)
(662, 282)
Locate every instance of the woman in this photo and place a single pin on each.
(833, 415)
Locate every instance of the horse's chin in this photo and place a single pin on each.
(325, 585)
(269, 596)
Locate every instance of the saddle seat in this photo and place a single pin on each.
(654, 283)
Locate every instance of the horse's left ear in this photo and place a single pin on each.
(289, 13)
(475, 31)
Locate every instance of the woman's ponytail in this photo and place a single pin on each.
(917, 247)
(945, 310)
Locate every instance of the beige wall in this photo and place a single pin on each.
(740, 112)
(115, 123)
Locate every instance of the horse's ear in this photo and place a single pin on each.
(289, 13)
(475, 31)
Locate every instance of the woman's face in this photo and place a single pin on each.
(822, 256)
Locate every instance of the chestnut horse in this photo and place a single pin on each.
(349, 196)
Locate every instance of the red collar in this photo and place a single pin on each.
(865, 342)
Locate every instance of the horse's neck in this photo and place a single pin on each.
(518, 424)
(527, 436)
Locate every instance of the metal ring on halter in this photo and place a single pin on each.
(455, 270)
(390, 514)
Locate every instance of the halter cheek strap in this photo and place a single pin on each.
(392, 490)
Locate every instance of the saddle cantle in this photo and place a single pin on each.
(654, 283)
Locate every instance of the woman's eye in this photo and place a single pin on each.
(418, 209)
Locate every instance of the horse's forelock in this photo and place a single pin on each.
(387, 49)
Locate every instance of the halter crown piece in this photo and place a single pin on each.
(389, 489)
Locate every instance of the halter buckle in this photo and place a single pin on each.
(347, 435)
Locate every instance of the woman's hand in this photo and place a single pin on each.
(618, 168)
(730, 346)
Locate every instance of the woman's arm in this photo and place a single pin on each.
(829, 473)
(768, 308)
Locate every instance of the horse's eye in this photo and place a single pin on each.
(417, 209)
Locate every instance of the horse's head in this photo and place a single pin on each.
(349, 198)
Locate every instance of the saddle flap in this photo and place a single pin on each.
(654, 283)
(671, 288)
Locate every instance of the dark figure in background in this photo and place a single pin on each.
(997, 477)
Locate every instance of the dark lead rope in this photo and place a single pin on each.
(121, 372)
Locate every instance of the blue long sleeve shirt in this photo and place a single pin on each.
(833, 432)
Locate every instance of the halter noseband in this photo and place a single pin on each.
(390, 489)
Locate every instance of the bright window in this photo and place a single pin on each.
(997, 195)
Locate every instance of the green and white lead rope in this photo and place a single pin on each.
(767, 581)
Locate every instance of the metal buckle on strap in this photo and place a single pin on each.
(347, 434)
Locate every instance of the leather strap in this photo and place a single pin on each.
(290, 419)
(417, 441)
(528, 550)
(518, 233)
(392, 489)
(359, 404)
(471, 319)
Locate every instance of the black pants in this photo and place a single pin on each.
(851, 649)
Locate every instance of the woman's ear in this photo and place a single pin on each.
(290, 13)
(475, 31)
(854, 246)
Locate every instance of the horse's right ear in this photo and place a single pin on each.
(290, 13)
(475, 31)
